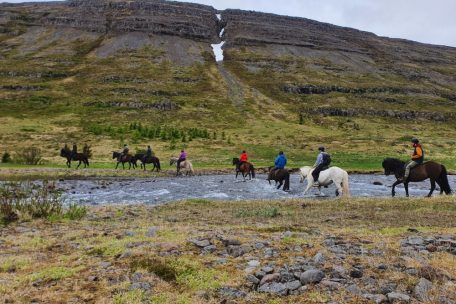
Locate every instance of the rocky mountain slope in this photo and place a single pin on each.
(86, 70)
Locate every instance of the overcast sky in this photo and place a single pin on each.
(429, 21)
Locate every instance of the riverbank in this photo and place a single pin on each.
(203, 251)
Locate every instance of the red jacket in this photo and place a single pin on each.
(243, 157)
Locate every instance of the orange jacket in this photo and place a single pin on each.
(243, 157)
(418, 154)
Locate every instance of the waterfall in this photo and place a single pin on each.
(217, 48)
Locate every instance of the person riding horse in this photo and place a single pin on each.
(124, 152)
(281, 161)
(74, 152)
(242, 159)
(182, 157)
(417, 158)
(323, 160)
(148, 153)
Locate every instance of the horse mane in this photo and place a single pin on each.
(393, 163)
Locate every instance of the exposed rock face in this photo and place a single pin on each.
(186, 20)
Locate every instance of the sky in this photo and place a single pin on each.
(428, 21)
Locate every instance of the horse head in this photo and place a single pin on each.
(392, 165)
(115, 154)
(235, 161)
(172, 161)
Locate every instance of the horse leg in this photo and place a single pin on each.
(432, 188)
(280, 185)
(393, 190)
(406, 189)
(339, 189)
(117, 165)
(78, 165)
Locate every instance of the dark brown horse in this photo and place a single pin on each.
(436, 172)
(147, 160)
(280, 176)
(124, 159)
(245, 169)
(69, 155)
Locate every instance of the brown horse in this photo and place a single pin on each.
(80, 157)
(130, 159)
(436, 172)
(245, 169)
(279, 176)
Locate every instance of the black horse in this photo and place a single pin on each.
(147, 160)
(436, 172)
(68, 154)
(280, 176)
(124, 159)
(245, 169)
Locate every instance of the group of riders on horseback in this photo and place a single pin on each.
(415, 170)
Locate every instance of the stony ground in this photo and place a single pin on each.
(198, 251)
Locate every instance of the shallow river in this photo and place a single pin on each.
(220, 187)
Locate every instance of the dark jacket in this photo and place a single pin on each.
(280, 161)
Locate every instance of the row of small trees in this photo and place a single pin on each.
(27, 156)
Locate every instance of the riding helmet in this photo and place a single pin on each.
(281, 152)
(321, 149)
(415, 140)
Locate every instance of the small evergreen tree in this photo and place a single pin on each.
(6, 157)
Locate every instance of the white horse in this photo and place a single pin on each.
(185, 166)
(334, 175)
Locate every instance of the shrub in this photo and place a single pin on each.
(75, 212)
(30, 156)
(6, 157)
(35, 200)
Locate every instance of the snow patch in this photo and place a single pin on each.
(218, 51)
(219, 16)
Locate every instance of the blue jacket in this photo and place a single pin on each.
(280, 161)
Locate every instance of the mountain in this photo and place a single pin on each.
(107, 72)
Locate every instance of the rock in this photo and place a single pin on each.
(231, 242)
(270, 278)
(129, 233)
(209, 249)
(356, 273)
(430, 273)
(319, 258)
(254, 263)
(105, 264)
(145, 286)
(293, 285)
(331, 285)
(339, 272)
(152, 232)
(376, 183)
(396, 297)
(422, 289)
(313, 276)
(237, 251)
(253, 279)
(376, 298)
(354, 289)
(382, 267)
(388, 288)
(228, 292)
(93, 278)
(286, 276)
(414, 230)
(415, 241)
(267, 269)
(259, 245)
(274, 288)
(200, 243)
(287, 234)
(260, 274)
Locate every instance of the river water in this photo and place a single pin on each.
(220, 187)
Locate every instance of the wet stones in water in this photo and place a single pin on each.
(376, 183)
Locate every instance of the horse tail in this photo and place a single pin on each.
(443, 178)
(286, 186)
(345, 186)
(252, 169)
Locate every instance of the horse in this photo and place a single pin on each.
(68, 154)
(245, 169)
(185, 165)
(279, 176)
(147, 160)
(436, 172)
(334, 175)
(124, 159)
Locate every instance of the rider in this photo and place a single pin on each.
(182, 157)
(280, 161)
(417, 158)
(242, 159)
(124, 152)
(323, 161)
(148, 152)
(74, 152)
